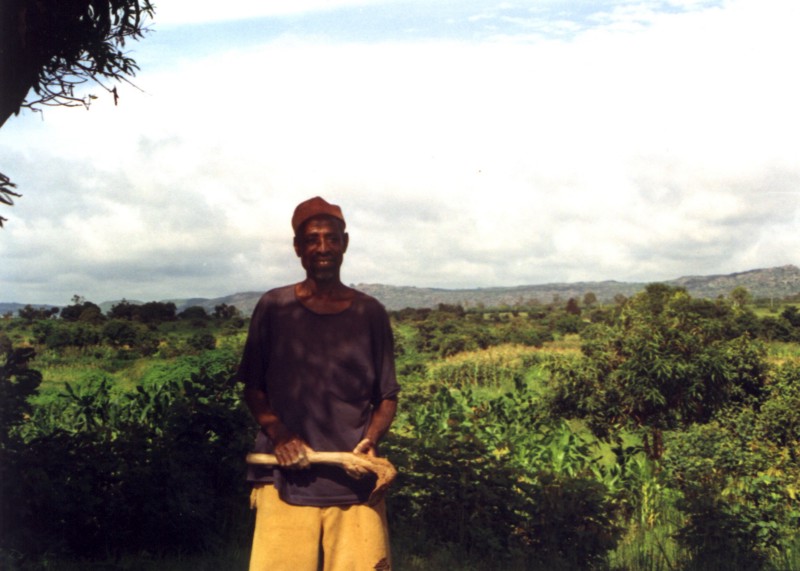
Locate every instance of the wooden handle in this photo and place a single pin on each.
(381, 467)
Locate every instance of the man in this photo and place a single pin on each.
(318, 369)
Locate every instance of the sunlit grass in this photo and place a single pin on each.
(570, 343)
(779, 352)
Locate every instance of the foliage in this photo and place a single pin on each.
(83, 311)
(123, 310)
(666, 362)
(780, 412)
(202, 342)
(7, 195)
(30, 313)
(225, 311)
(158, 469)
(63, 45)
(493, 470)
(450, 330)
(17, 383)
(194, 312)
(56, 334)
(739, 493)
(152, 312)
(51, 47)
(121, 333)
(495, 477)
(155, 312)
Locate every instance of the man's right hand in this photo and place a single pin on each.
(291, 450)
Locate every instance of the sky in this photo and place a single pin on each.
(469, 143)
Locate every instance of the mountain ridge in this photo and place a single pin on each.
(778, 283)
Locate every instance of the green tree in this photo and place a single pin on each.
(30, 313)
(123, 310)
(81, 310)
(156, 312)
(193, 313)
(740, 297)
(18, 382)
(667, 361)
(572, 307)
(202, 342)
(225, 311)
(121, 332)
(791, 315)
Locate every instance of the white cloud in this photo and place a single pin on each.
(180, 12)
(640, 154)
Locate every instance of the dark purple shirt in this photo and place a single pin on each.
(323, 374)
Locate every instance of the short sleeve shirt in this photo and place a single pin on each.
(323, 374)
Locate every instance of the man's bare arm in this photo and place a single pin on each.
(382, 418)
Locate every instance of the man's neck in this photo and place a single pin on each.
(325, 297)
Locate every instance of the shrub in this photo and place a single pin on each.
(497, 479)
(202, 342)
(739, 492)
(160, 469)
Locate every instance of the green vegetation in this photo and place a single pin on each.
(656, 433)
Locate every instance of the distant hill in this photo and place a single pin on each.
(776, 283)
(14, 307)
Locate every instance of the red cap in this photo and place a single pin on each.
(314, 207)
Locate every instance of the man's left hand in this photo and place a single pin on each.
(366, 446)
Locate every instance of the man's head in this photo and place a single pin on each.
(319, 238)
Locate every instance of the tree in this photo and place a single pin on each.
(195, 312)
(572, 307)
(667, 361)
(30, 313)
(18, 383)
(202, 342)
(120, 332)
(7, 195)
(791, 315)
(741, 297)
(81, 310)
(123, 310)
(53, 46)
(156, 312)
(225, 311)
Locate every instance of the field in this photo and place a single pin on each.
(658, 433)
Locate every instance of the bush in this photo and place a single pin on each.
(160, 469)
(121, 333)
(59, 334)
(497, 480)
(737, 493)
(202, 342)
(194, 313)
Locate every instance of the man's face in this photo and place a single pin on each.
(321, 244)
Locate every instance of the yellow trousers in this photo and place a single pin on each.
(300, 538)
